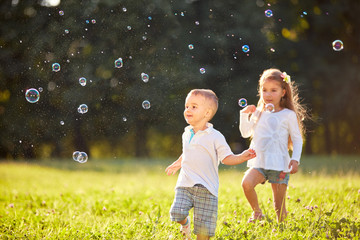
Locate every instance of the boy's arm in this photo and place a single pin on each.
(174, 167)
(239, 158)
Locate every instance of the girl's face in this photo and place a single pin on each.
(271, 92)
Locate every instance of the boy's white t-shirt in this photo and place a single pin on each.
(270, 133)
(202, 154)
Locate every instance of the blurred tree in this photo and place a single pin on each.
(86, 37)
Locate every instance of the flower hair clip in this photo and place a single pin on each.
(286, 78)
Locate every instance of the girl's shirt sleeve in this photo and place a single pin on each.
(246, 125)
(296, 137)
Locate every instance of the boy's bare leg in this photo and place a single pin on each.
(252, 178)
(202, 237)
(182, 222)
(279, 192)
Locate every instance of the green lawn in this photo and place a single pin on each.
(131, 199)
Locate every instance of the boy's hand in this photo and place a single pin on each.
(172, 169)
(248, 154)
(293, 166)
(249, 109)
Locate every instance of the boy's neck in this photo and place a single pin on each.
(201, 127)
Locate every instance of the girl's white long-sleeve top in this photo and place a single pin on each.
(270, 133)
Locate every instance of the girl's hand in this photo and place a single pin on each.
(293, 166)
(249, 109)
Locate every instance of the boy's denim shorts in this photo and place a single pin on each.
(273, 176)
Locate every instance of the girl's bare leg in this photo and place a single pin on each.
(252, 178)
(279, 192)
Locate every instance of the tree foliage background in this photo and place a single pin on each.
(152, 37)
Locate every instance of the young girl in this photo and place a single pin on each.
(275, 127)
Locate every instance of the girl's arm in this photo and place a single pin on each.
(296, 138)
(174, 167)
(239, 158)
(246, 125)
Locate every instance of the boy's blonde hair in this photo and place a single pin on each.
(209, 96)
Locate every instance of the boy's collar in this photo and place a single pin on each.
(208, 129)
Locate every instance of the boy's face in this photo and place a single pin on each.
(197, 110)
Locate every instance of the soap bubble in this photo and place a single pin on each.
(56, 67)
(128, 27)
(118, 63)
(268, 13)
(32, 95)
(242, 102)
(80, 157)
(197, 23)
(146, 104)
(269, 107)
(245, 48)
(41, 89)
(83, 108)
(124, 9)
(76, 155)
(144, 77)
(93, 21)
(62, 123)
(202, 70)
(83, 157)
(191, 47)
(67, 31)
(337, 45)
(61, 13)
(82, 81)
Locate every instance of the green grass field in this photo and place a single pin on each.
(131, 199)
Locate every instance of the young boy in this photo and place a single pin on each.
(203, 149)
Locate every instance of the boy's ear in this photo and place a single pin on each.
(208, 113)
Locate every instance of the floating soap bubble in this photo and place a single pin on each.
(87, 21)
(269, 107)
(76, 155)
(61, 13)
(128, 27)
(245, 48)
(40, 89)
(146, 104)
(268, 13)
(202, 70)
(32, 95)
(93, 21)
(67, 31)
(150, 18)
(118, 63)
(62, 123)
(83, 108)
(124, 9)
(82, 81)
(272, 49)
(337, 45)
(242, 102)
(191, 47)
(144, 77)
(197, 23)
(56, 67)
(124, 119)
(144, 38)
(82, 158)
